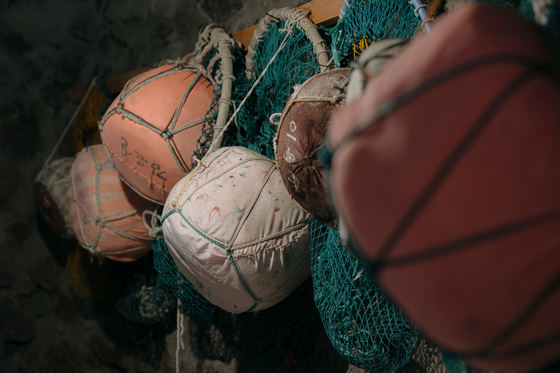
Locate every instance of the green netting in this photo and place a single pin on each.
(362, 323)
(455, 364)
(207, 129)
(265, 337)
(174, 281)
(425, 358)
(138, 293)
(369, 21)
(294, 65)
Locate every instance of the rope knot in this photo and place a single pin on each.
(119, 108)
(100, 220)
(166, 135)
(154, 227)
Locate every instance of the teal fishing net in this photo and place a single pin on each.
(175, 282)
(455, 364)
(265, 337)
(425, 358)
(362, 323)
(207, 135)
(369, 21)
(294, 65)
(137, 292)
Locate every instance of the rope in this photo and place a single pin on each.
(154, 228)
(234, 115)
(180, 329)
(72, 120)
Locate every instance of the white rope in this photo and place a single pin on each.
(154, 228)
(180, 328)
(272, 117)
(232, 118)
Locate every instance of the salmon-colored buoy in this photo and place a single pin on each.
(153, 127)
(106, 214)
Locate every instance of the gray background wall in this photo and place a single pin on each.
(47, 47)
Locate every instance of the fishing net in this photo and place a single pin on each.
(298, 60)
(175, 282)
(362, 323)
(225, 69)
(85, 276)
(137, 291)
(368, 21)
(266, 337)
(425, 358)
(455, 364)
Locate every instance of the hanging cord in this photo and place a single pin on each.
(154, 228)
(294, 19)
(180, 330)
(72, 121)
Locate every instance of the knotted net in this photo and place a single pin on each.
(298, 54)
(175, 282)
(362, 323)
(365, 22)
(137, 291)
(265, 337)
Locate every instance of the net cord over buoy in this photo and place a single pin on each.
(532, 69)
(229, 246)
(101, 220)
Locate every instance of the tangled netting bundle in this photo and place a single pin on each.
(265, 337)
(368, 21)
(293, 65)
(364, 326)
(137, 291)
(174, 281)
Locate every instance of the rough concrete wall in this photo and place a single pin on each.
(47, 47)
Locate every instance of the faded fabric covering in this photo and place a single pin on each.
(235, 207)
(50, 194)
(451, 192)
(301, 131)
(152, 128)
(106, 214)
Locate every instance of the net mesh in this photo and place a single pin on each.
(455, 364)
(137, 291)
(425, 358)
(85, 276)
(293, 65)
(266, 337)
(362, 323)
(369, 21)
(176, 283)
